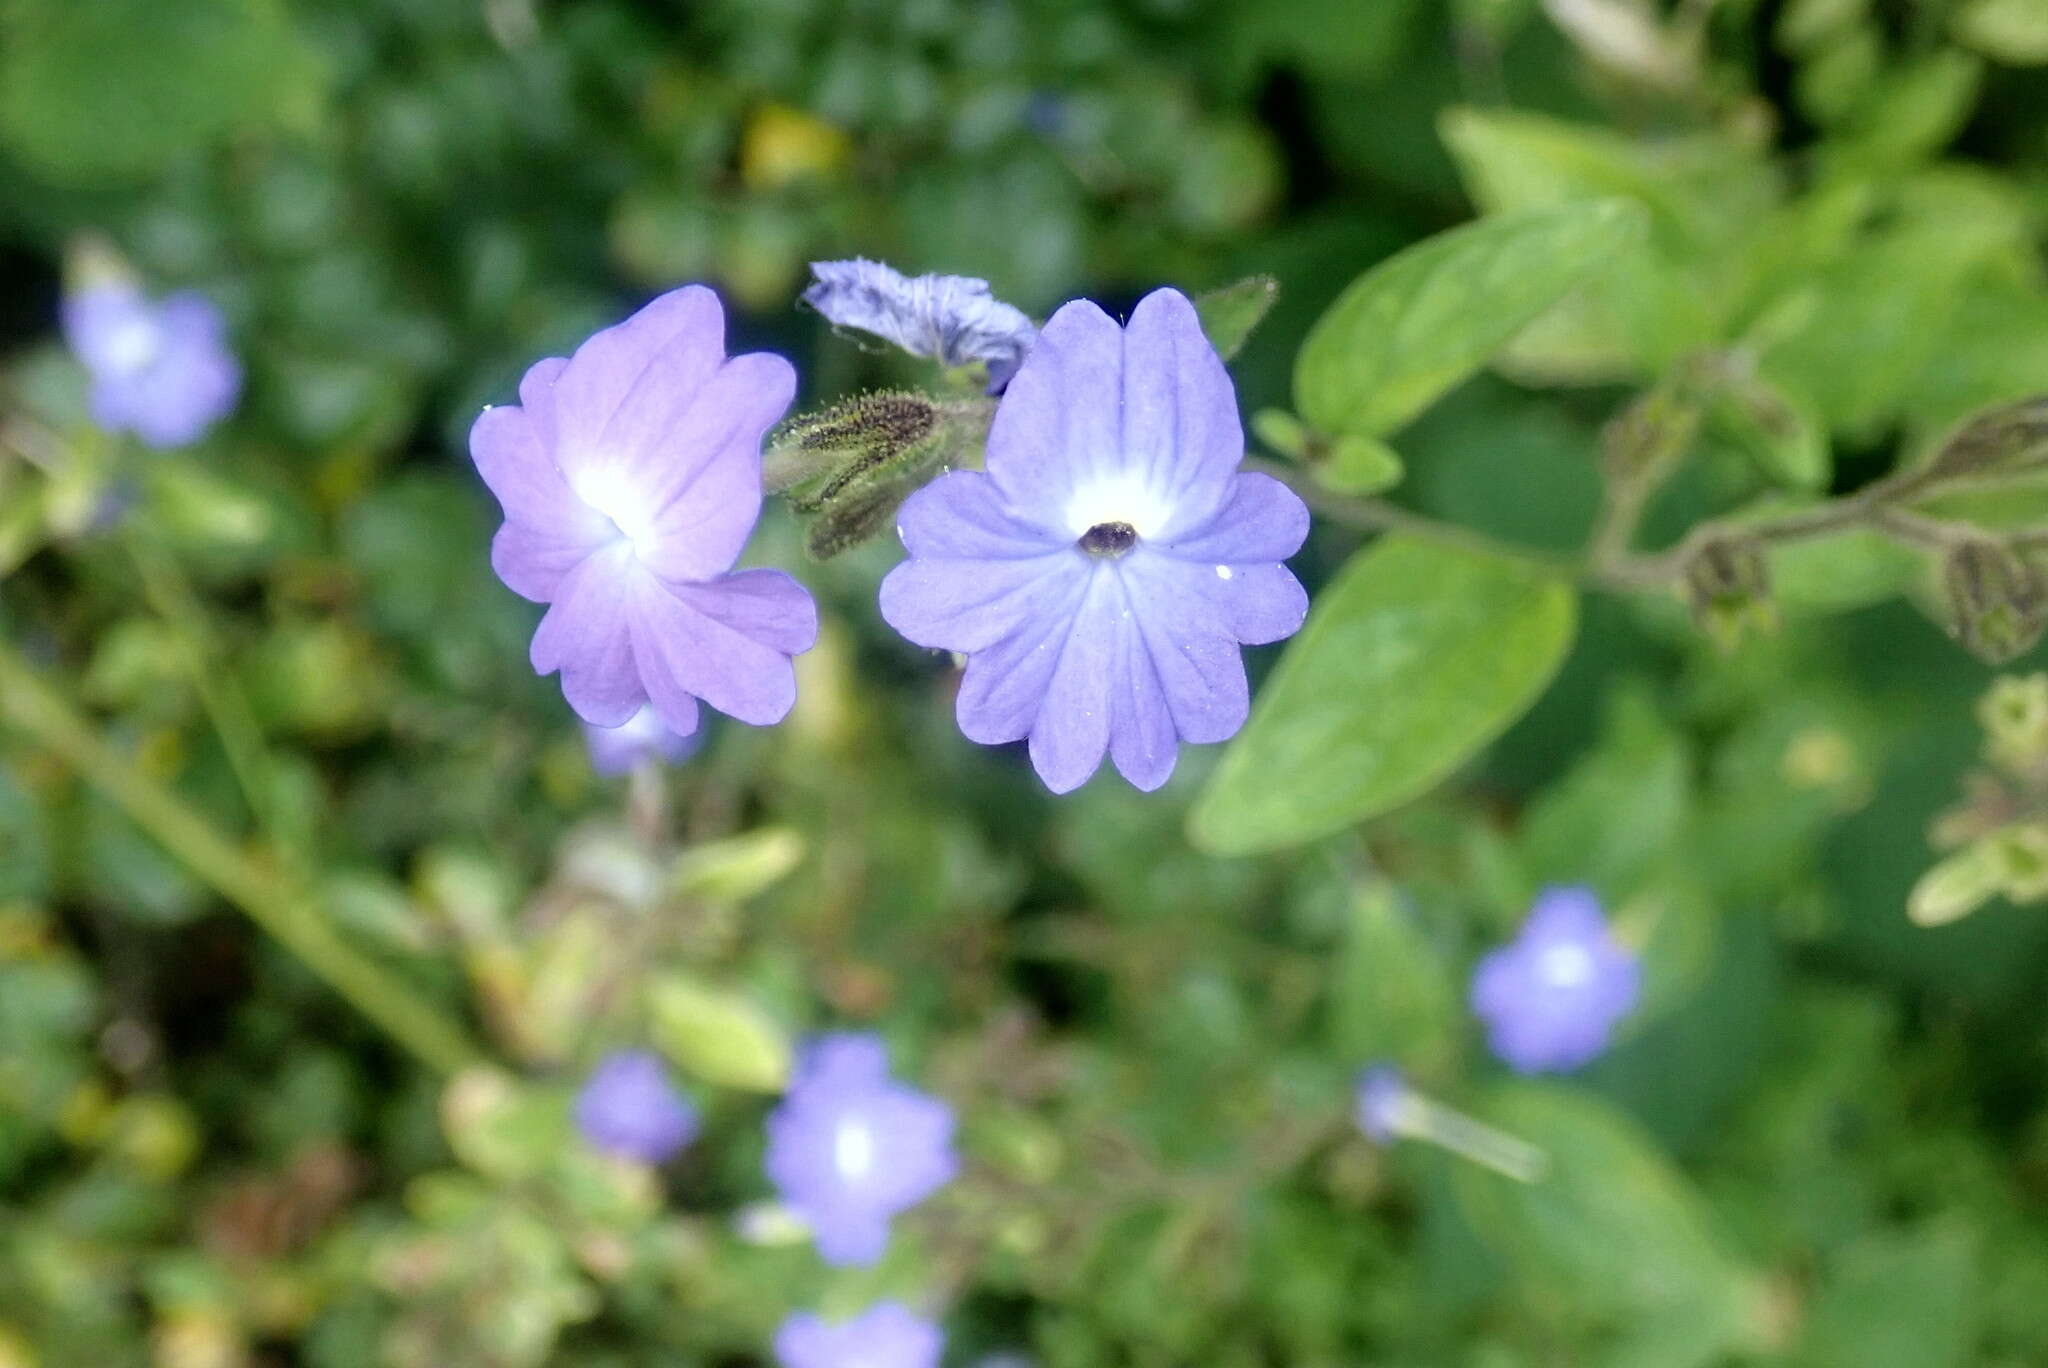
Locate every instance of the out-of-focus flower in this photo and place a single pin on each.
(850, 1147)
(886, 1335)
(1387, 1109)
(1550, 998)
(616, 750)
(630, 476)
(160, 369)
(1382, 1103)
(630, 1108)
(952, 319)
(1102, 573)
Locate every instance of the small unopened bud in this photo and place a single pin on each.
(1996, 441)
(815, 455)
(2014, 714)
(1728, 585)
(1643, 441)
(1998, 605)
(1955, 887)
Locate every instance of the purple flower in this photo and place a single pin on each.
(886, 1335)
(850, 1147)
(1102, 573)
(1551, 997)
(952, 319)
(160, 369)
(1383, 1103)
(630, 476)
(616, 750)
(629, 1108)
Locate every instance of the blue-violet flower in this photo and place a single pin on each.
(630, 1108)
(160, 369)
(951, 319)
(850, 1147)
(630, 476)
(616, 750)
(1101, 574)
(886, 1335)
(1551, 997)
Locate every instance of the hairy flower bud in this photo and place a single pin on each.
(1998, 605)
(815, 455)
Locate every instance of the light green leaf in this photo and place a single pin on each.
(2011, 31)
(1231, 314)
(1415, 658)
(120, 87)
(1897, 1300)
(1360, 465)
(1612, 1229)
(716, 1034)
(1415, 325)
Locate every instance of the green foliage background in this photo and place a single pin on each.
(1823, 1140)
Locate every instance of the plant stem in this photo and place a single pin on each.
(275, 901)
(220, 693)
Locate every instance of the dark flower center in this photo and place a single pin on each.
(1109, 540)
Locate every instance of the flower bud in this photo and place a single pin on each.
(1728, 585)
(1997, 602)
(1996, 440)
(830, 448)
(2014, 714)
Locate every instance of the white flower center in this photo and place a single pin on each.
(133, 346)
(1123, 499)
(1565, 966)
(853, 1150)
(606, 489)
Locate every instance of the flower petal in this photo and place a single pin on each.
(537, 396)
(677, 339)
(532, 562)
(508, 447)
(1254, 604)
(962, 516)
(1004, 687)
(1200, 666)
(682, 651)
(698, 464)
(1261, 520)
(1180, 426)
(969, 605)
(765, 605)
(1072, 731)
(1142, 741)
(585, 635)
(1059, 425)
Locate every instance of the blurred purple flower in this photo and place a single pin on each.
(616, 750)
(631, 1109)
(160, 369)
(630, 476)
(1382, 1103)
(850, 1147)
(952, 319)
(1102, 573)
(1551, 997)
(886, 1335)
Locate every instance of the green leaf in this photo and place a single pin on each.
(1413, 326)
(1612, 1229)
(2011, 31)
(1897, 1300)
(1391, 996)
(1230, 315)
(716, 1034)
(1412, 660)
(1360, 465)
(115, 88)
